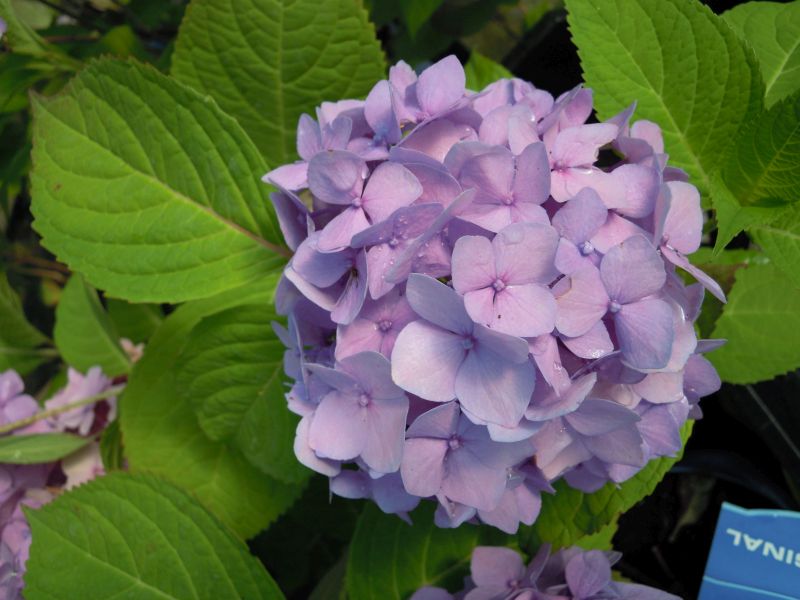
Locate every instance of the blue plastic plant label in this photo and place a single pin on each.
(755, 554)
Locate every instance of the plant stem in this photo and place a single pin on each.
(45, 414)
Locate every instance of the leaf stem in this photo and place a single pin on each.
(112, 391)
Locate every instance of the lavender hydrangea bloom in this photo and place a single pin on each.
(570, 574)
(510, 298)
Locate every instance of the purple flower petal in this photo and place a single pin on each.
(532, 181)
(437, 303)
(588, 573)
(645, 333)
(441, 85)
(336, 177)
(495, 566)
(632, 270)
(391, 186)
(583, 304)
(596, 417)
(581, 217)
(422, 467)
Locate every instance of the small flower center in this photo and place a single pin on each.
(587, 248)
(454, 442)
(508, 200)
(499, 285)
(364, 400)
(513, 583)
(467, 343)
(393, 242)
(614, 307)
(385, 325)
(356, 202)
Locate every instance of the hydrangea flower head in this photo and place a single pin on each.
(477, 307)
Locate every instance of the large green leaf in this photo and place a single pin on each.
(21, 36)
(162, 435)
(569, 515)
(38, 448)
(773, 30)
(416, 12)
(137, 322)
(765, 169)
(232, 373)
(390, 559)
(686, 69)
(19, 340)
(482, 71)
(731, 216)
(780, 239)
(148, 188)
(760, 322)
(268, 61)
(129, 536)
(84, 333)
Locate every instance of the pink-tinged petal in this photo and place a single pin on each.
(391, 186)
(355, 292)
(480, 305)
(431, 593)
(438, 303)
(596, 417)
(525, 310)
(380, 115)
(383, 449)
(441, 85)
(493, 217)
(494, 565)
(592, 345)
(379, 260)
(571, 456)
(523, 431)
(494, 389)
(339, 427)
(473, 264)
(707, 282)
(336, 135)
(526, 212)
(336, 177)
(422, 467)
(579, 146)
(570, 259)
(426, 360)
(645, 333)
(494, 129)
(438, 186)
(632, 190)
(623, 446)
(439, 422)
(306, 455)
(522, 131)
(548, 359)
(293, 176)
(525, 252)
(567, 182)
(492, 175)
(583, 304)
(581, 217)
(309, 137)
(373, 372)
(632, 270)
(587, 573)
(661, 388)
(472, 482)
(338, 233)
(461, 153)
(359, 336)
(555, 405)
(649, 132)
(509, 347)
(437, 138)
(293, 217)
(532, 179)
(683, 222)
(614, 231)
(408, 156)
(684, 343)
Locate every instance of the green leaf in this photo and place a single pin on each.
(390, 559)
(765, 169)
(111, 451)
(21, 36)
(137, 537)
(162, 434)
(686, 69)
(19, 340)
(760, 322)
(266, 62)
(570, 515)
(731, 216)
(482, 71)
(136, 322)
(84, 333)
(780, 240)
(232, 373)
(148, 189)
(773, 30)
(416, 12)
(39, 448)
(332, 585)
